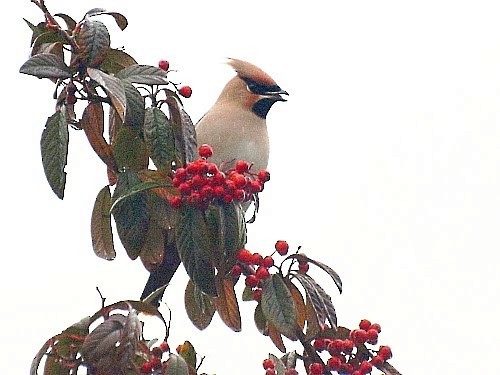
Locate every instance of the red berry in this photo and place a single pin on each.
(291, 371)
(267, 262)
(257, 259)
(242, 166)
(164, 346)
(219, 178)
(335, 347)
(376, 327)
(357, 372)
(244, 256)
(239, 180)
(315, 368)
(255, 186)
(175, 201)
(268, 363)
(263, 175)
(303, 267)
(270, 371)
(365, 367)
(281, 247)
(207, 192)
(212, 168)
(181, 174)
(359, 336)
(346, 368)
(185, 91)
(239, 195)
(348, 346)
(205, 151)
(257, 294)
(146, 367)
(262, 273)
(157, 352)
(251, 281)
(365, 324)
(236, 270)
(185, 188)
(227, 198)
(377, 361)
(219, 191)
(372, 334)
(334, 363)
(319, 344)
(163, 64)
(385, 352)
(155, 362)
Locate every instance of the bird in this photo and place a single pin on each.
(236, 129)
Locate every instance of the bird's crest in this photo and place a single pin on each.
(246, 70)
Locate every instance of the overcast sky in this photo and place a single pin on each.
(385, 164)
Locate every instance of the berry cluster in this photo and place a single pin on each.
(256, 267)
(344, 356)
(201, 182)
(269, 366)
(184, 91)
(154, 362)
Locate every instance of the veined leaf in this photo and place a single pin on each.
(130, 213)
(93, 41)
(227, 304)
(184, 130)
(130, 150)
(114, 88)
(276, 338)
(299, 303)
(54, 147)
(100, 227)
(145, 74)
(134, 115)
(278, 306)
(153, 250)
(199, 307)
(260, 320)
(134, 189)
(159, 138)
(120, 19)
(193, 247)
(234, 231)
(116, 60)
(46, 65)
(305, 259)
(50, 37)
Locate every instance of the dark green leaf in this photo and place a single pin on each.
(191, 238)
(70, 22)
(199, 307)
(46, 65)
(54, 147)
(55, 48)
(145, 74)
(116, 60)
(260, 320)
(184, 130)
(305, 259)
(134, 115)
(234, 231)
(114, 88)
(120, 19)
(321, 301)
(130, 213)
(100, 227)
(133, 190)
(130, 150)
(247, 294)
(50, 36)
(159, 138)
(37, 29)
(278, 306)
(93, 41)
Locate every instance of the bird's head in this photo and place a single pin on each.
(252, 88)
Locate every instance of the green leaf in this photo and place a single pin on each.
(130, 213)
(290, 359)
(234, 231)
(70, 22)
(93, 41)
(199, 307)
(191, 238)
(184, 130)
(114, 87)
(305, 259)
(54, 147)
(321, 301)
(116, 60)
(37, 29)
(50, 36)
(279, 366)
(278, 306)
(260, 320)
(135, 189)
(100, 226)
(145, 74)
(176, 365)
(159, 138)
(46, 65)
(134, 114)
(120, 19)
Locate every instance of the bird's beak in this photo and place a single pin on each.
(277, 95)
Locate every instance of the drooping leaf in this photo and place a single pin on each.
(276, 338)
(305, 259)
(184, 130)
(299, 303)
(46, 65)
(114, 88)
(137, 188)
(134, 115)
(313, 326)
(100, 227)
(93, 125)
(164, 192)
(199, 307)
(54, 147)
(247, 294)
(93, 41)
(278, 306)
(176, 365)
(234, 232)
(191, 234)
(70, 22)
(159, 138)
(321, 301)
(129, 150)
(36, 29)
(227, 304)
(153, 250)
(116, 60)
(130, 213)
(145, 74)
(48, 37)
(120, 19)
(260, 320)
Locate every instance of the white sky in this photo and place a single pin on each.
(385, 165)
